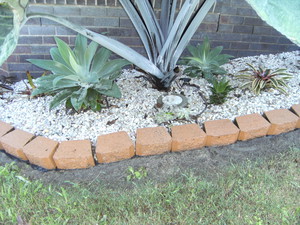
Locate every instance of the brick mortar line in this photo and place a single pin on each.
(50, 154)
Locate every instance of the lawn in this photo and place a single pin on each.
(265, 191)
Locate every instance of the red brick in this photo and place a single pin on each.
(74, 155)
(152, 141)
(282, 120)
(296, 110)
(4, 129)
(252, 126)
(220, 132)
(40, 152)
(187, 137)
(14, 141)
(114, 147)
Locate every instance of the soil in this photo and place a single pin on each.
(160, 168)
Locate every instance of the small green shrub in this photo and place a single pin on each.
(220, 90)
(260, 79)
(80, 77)
(205, 62)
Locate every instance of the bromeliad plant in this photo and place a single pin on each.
(205, 62)
(80, 77)
(260, 79)
(164, 40)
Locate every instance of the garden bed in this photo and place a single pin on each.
(137, 107)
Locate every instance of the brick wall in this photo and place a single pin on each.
(232, 24)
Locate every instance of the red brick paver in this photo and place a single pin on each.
(296, 110)
(114, 147)
(14, 141)
(187, 137)
(282, 120)
(220, 132)
(252, 126)
(74, 155)
(40, 152)
(4, 129)
(152, 141)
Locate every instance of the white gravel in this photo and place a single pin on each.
(136, 108)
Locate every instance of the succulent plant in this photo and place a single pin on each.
(205, 62)
(80, 77)
(259, 79)
(220, 90)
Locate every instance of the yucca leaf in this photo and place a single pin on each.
(167, 16)
(60, 97)
(141, 28)
(176, 33)
(151, 23)
(190, 30)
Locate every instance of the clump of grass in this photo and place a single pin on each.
(263, 192)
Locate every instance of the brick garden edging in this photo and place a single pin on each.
(77, 154)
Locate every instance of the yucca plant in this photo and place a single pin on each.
(164, 40)
(205, 62)
(259, 79)
(220, 91)
(80, 77)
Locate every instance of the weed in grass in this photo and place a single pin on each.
(136, 174)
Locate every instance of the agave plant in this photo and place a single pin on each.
(164, 40)
(80, 77)
(205, 62)
(260, 79)
(220, 90)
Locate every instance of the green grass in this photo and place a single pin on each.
(262, 192)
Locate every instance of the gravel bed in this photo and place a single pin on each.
(136, 109)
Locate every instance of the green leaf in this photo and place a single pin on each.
(53, 66)
(60, 97)
(65, 51)
(101, 57)
(112, 67)
(89, 54)
(80, 47)
(114, 91)
(12, 18)
(78, 97)
(55, 55)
